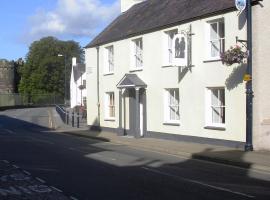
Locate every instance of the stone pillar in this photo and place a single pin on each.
(137, 113)
(120, 128)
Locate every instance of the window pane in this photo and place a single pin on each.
(110, 106)
(218, 105)
(216, 115)
(215, 48)
(173, 101)
(221, 30)
(215, 100)
(213, 31)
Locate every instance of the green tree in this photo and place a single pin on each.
(44, 71)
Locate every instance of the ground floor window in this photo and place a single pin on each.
(171, 105)
(215, 106)
(109, 105)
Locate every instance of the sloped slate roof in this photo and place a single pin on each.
(131, 80)
(152, 15)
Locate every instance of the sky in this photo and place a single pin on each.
(25, 21)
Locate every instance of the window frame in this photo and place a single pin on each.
(168, 106)
(137, 54)
(210, 107)
(220, 40)
(109, 108)
(109, 60)
(168, 46)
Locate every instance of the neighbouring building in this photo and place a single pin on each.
(261, 75)
(77, 85)
(155, 71)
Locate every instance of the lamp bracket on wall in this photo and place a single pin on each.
(243, 42)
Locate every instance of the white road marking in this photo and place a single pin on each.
(5, 161)
(198, 182)
(9, 131)
(56, 189)
(73, 198)
(40, 180)
(26, 172)
(41, 141)
(15, 166)
(73, 149)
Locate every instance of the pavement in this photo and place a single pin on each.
(254, 160)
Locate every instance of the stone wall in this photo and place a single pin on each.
(6, 77)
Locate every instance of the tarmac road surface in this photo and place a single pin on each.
(93, 169)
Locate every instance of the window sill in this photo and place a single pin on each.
(212, 60)
(109, 73)
(219, 128)
(135, 69)
(171, 123)
(167, 65)
(109, 119)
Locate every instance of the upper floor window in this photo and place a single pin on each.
(109, 59)
(137, 56)
(171, 99)
(169, 45)
(216, 38)
(215, 110)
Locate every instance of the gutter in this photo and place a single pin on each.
(249, 91)
(98, 98)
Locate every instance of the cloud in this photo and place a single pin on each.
(71, 18)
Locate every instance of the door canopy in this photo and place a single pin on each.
(131, 81)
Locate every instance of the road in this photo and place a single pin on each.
(92, 169)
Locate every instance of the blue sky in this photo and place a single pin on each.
(24, 21)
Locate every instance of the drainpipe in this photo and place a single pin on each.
(249, 91)
(98, 99)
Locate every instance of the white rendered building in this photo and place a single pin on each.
(77, 84)
(155, 71)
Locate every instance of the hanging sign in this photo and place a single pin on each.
(180, 50)
(240, 5)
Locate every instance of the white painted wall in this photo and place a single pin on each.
(191, 87)
(261, 75)
(76, 95)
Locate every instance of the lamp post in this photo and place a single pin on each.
(65, 57)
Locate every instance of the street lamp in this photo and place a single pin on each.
(65, 97)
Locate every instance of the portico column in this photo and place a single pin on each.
(137, 112)
(120, 128)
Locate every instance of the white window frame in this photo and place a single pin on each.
(168, 46)
(210, 107)
(109, 106)
(109, 60)
(171, 104)
(137, 54)
(220, 38)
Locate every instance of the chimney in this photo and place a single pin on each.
(74, 61)
(127, 4)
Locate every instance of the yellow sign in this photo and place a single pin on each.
(247, 77)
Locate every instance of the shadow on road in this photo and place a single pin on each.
(98, 169)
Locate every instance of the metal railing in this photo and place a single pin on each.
(69, 117)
